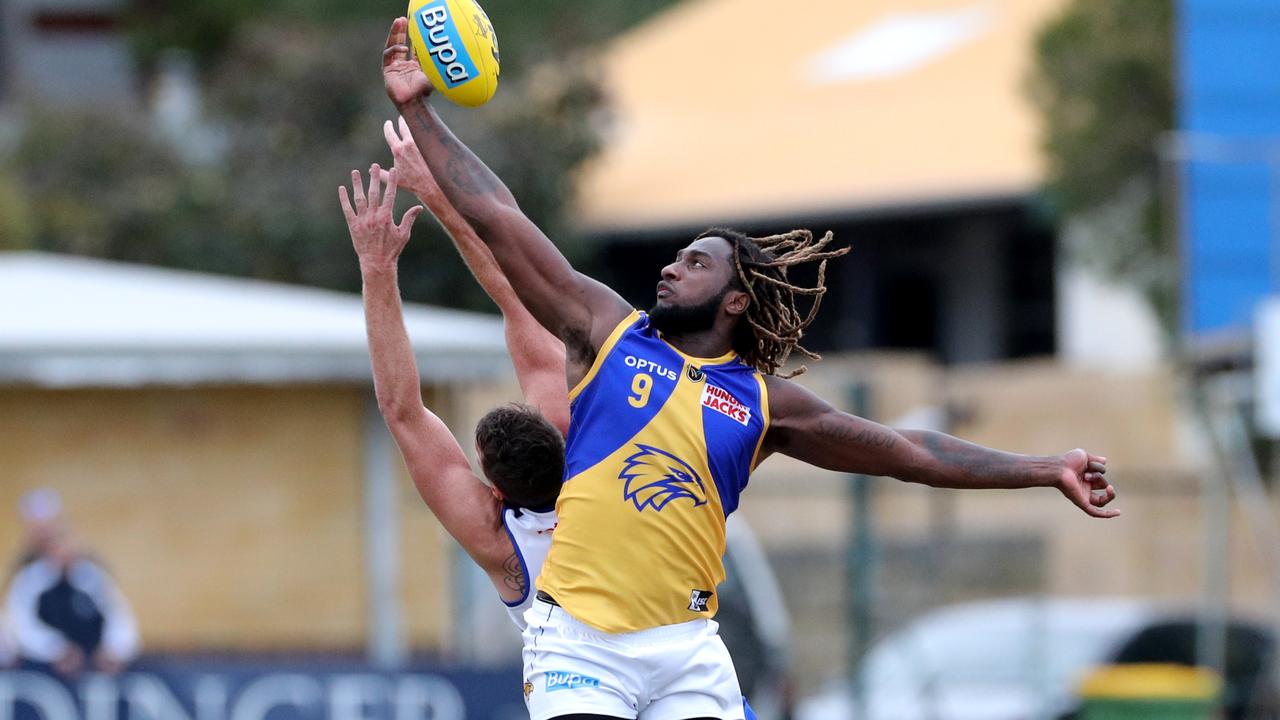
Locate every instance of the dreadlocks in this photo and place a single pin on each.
(774, 324)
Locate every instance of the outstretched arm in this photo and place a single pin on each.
(575, 308)
(538, 356)
(805, 427)
(440, 471)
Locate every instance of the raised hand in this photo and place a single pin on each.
(378, 240)
(413, 173)
(401, 75)
(1084, 482)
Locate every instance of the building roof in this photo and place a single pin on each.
(70, 321)
(738, 110)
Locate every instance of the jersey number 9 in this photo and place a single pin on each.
(641, 385)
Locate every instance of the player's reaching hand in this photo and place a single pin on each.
(401, 75)
(538, 356)
(578, 310)
(1084, 482)
(412, 171)
(378, 240)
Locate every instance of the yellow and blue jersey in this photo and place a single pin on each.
(660, 446)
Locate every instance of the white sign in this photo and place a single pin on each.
(1267, 366)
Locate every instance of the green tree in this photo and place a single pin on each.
(293, 89)
(301, 118)
(100, 185)
(1103, 82)
(530, 33)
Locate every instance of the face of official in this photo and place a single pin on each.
(61, 548)
(698, 289)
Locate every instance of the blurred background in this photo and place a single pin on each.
(1064, 215)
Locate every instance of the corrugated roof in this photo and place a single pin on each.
(731, 110)
(68, 321)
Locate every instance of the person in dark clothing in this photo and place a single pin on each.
(64, 610)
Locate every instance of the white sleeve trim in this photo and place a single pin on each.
(33, 638)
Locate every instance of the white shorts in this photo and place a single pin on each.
(672, 672)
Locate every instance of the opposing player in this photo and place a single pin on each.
(670, 412)
(506, 528)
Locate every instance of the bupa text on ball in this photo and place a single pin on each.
(444, 46)
(456, 47)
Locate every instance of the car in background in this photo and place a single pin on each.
(1250, 679)
(993, 660)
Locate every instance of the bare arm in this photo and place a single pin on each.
(538, 356)
(807, 428)
(575, 308)
(441, 473)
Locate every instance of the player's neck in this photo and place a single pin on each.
(708, 344)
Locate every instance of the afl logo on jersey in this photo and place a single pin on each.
(695, 373)
(653, 478)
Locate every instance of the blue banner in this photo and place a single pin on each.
(179, 689)
(1229, 121)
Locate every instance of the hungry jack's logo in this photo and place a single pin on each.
(723, 402)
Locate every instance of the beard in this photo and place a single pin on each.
(677, 320)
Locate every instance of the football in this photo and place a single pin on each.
(457, 48)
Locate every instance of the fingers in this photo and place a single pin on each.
(405, 134)
(391, 34)
(394, 53)
(1094, 503)
(1102, 495)
(1102, 513)
(389, 132)
(389, 197)
(375, 177)
(396, 41)
(345, 201)
(1096, 463)
(409, 216)
(357, 185)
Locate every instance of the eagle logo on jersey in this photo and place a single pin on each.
(655, 477)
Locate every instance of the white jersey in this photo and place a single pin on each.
(530, 534)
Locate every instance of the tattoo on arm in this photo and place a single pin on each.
(464, 172)
(955, 452)
(941, 460)
(513, 574)
(967, 465)
(869, 437)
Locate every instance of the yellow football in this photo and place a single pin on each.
(457, 48)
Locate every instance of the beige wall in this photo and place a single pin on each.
(1136, 418)
(230, 516)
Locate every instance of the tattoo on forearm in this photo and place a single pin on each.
(464, 172)
(869, 437)
(983, 467)
(513, 574)
(467, 173)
